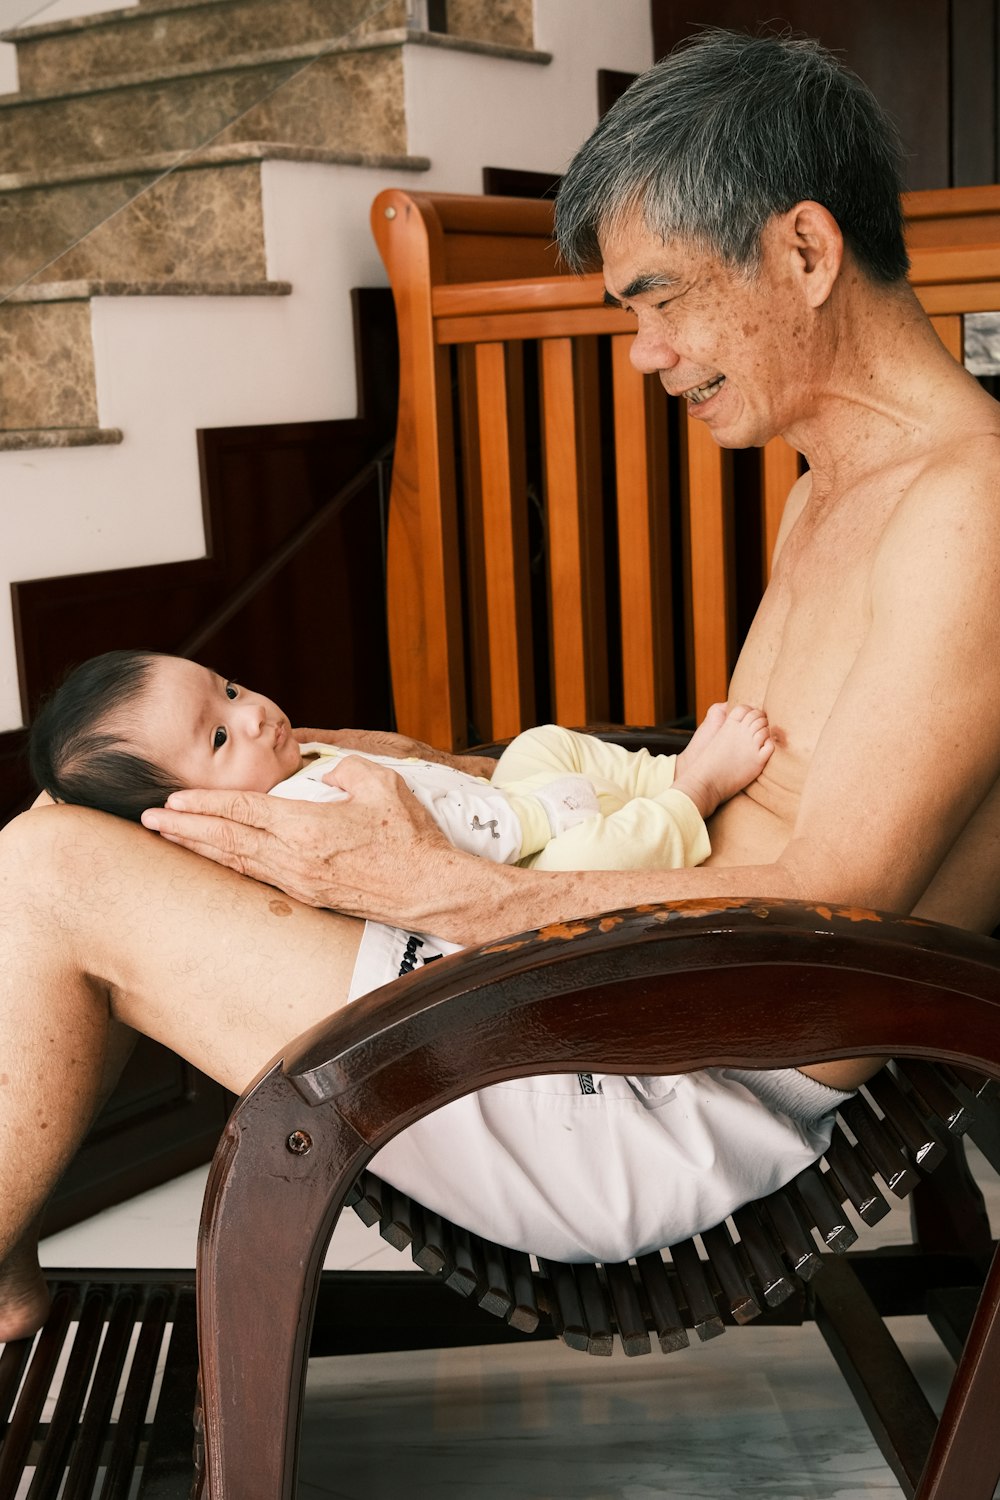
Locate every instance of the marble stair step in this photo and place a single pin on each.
(333, 96)
(47, 377)
(198, 224)
(100, 48)
(350, 100)
(153, 218)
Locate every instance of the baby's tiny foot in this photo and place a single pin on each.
(703, 736)
(735, 756)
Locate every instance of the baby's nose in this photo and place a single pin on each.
(253, 716)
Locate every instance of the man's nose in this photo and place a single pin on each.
(651, 351)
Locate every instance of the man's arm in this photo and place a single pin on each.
(402, 746)
(909, 751)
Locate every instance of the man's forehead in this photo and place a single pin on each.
(635, 260)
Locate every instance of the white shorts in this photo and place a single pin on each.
(597, 1166)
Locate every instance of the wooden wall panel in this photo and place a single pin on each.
(933, 65)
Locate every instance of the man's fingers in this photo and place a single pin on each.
(354, 774)
(251, 809)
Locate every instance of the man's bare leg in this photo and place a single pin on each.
(102, 923)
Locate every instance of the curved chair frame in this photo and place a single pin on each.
(662, 988)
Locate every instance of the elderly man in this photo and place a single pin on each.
(743, 200)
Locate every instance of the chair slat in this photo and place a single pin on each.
(500, 407)
(497, 1295)
(772, 1274)
(27, 1413)
(824, 1209)
(132, 1417)
(931, 1090)
(428, 1240)
(697, 1293)
(736, 1289)
(395, 1224)
(644, 567)
(65, 1418)
(921, 1141)
(709, 523)
(13, 1362)
(369, 1204)
(573, 501)
(979, 1084)
(566, 1308)
(792, 1234)
(88, 1453)
(869, 1203)
(628, 1314)
(664, 1312)
(880, 1145)
(464, 1274)
(524, 1315)
(596, 1309)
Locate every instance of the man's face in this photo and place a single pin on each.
(730, 342)
(212, 733)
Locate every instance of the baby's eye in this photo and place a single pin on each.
(219, 738)
(232, 690)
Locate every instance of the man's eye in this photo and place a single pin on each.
(219, 738)
(232, 690)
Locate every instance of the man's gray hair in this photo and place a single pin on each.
(726, 132)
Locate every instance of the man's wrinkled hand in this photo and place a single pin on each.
(361, 856)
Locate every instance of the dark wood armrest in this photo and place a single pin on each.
(664, 988)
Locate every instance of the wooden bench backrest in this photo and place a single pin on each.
(527, 445)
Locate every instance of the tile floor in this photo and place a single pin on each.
(762, 1414)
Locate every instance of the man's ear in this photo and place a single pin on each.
(812, 239)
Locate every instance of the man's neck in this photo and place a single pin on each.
(889, 386)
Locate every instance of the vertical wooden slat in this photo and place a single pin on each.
(423, 582)
(707, 491)
(477, 643)
(643, 541)
(500, 405)
(571, 439)
(779, 471)
(949, 329)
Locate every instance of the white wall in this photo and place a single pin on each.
(168, 365)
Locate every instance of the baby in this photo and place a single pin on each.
(128, 728)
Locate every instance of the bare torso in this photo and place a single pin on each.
(805, 639)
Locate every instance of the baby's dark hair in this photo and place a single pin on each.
(76, 753)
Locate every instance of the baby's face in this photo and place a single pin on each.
(212, 733)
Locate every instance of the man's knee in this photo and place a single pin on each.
(47, 848)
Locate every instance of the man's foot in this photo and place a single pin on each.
(734, 756)
(701, 739)
(24, 1296)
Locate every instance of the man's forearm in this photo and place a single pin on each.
(480, 902)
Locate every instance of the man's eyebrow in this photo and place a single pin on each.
(649, 281)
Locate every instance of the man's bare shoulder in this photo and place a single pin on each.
(943, 538)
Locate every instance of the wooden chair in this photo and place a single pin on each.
(518, 591)
(660, 989)
(506, 455)
(564, 544)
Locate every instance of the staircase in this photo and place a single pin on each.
(184, 197)
(130, 163)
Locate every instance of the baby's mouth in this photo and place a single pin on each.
(699, 393)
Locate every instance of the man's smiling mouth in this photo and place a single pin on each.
(699, 393)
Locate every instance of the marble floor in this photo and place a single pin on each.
(761, 1414)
